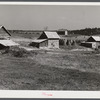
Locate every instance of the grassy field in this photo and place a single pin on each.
(68, 68)
(50, 70)
(29, 35)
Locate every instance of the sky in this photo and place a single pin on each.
(38, 17)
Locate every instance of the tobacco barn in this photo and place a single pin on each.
(47, 40)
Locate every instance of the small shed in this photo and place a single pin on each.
(7, 43)
(47, 39)
(93, 45)
(4, 34)
(39, 43)
(92, 42)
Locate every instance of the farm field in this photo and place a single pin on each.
(76, 69)
(67, 68)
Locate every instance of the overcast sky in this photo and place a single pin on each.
(36, 17)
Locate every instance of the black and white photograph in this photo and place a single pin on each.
(50, 47)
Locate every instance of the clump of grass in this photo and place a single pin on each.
(19, 52)
(96, 51)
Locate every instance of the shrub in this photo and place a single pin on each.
(5, 50)
(78, 42)
(96, 51)
(20, 52)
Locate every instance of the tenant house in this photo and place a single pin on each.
(5, 38)
(47, 40)
(92, 42)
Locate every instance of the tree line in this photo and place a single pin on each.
(86, 31)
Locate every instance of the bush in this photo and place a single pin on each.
(96, 51)
(20, 52)
(4, 51)
(78, 42)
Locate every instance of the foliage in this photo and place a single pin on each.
(19, 52)
(86, 31)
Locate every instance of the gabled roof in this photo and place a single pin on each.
(39, 40)
(53, 35)
(8, 43)
(96, 38)
(5, 30)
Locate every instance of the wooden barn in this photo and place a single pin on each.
(4, 34)
(92, 42)
(47, 40)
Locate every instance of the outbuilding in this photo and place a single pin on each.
(93, 45)
(92, 42)
(5, 41)
(39, 43)
(47, 39)
(4, 33)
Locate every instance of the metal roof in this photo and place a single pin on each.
(96, 38)
(8, 43)
(39, 40)
(51, 34)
